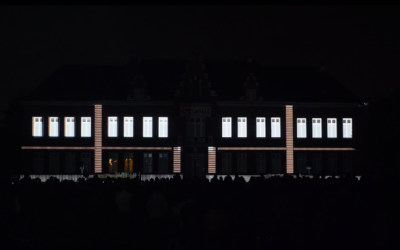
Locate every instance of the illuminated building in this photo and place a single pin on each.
(192, 117)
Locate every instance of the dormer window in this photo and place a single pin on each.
(250, 94)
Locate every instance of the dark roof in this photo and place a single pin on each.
(276, 84)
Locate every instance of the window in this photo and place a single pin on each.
(147, 126)
(69, 129)
(332, 163)
(128, 162)
(260, 163)
(69, 163)
(276, 163)
(226, 163)
(316, 167)
(38, 163)
(317, 128)
(37, 126)
(162, 126)
(86, 158)
(242, 127)
(275, 127)
(331, 127)
(242, 163)
(226, 127)
(53, 126)
(301, 163)
(347, 128)
(301, 128)
(347, 163)
(128, 126)
(112, 126)
(54, 163)
(163, 163)
(147, 163)
(260, 121)
(112, 162)
(86, 127)
(195, 129)
(250, 94)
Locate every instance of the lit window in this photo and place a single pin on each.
(260, 126)
(162, 126)
(331, 127)
(53, 126)
(316, 128)
(37, 126)
(112, 126)
(86, 127)
(128, 162)
(275, 127)
(301, 128)
(69, 129)
(112, 162)
(347, 128)
(242, 127)
(226, 127)
(128, 126)
(147, 126)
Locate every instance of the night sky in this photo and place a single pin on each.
(358, 45)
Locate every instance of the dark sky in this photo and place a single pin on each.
(359, 45)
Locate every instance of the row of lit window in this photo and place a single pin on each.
(276, 127)
(69, 129)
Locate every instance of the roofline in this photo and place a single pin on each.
(296, 104)
(92, 103)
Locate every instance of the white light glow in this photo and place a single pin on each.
(317, 128)
(332, 128)
(147, 127)
(112, 126)
(162, 126)
(260, 123)
(275, 127)
(128, 126)
(242, 127)
(69, 126)
(301, 128)
(227, 127)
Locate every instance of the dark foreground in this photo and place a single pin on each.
(275, 213)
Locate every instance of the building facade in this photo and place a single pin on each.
(194, 117)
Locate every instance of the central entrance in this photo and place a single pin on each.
(195, 166)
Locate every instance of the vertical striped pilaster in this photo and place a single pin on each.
(289, 139)
(211, 160)
(177, 160)
(97, 138)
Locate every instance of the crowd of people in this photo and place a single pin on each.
(230, 213)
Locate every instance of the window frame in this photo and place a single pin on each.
(163, 127)
(147, 127)
(67, 124)
(129, 126)
(227, 127)
(277, 125)
(114, 124)
(54, 125)
(344, 128)
(302, 128)
(242, 127)
(86, 125)
(37, 123)
(318, 123)
(329, 125)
